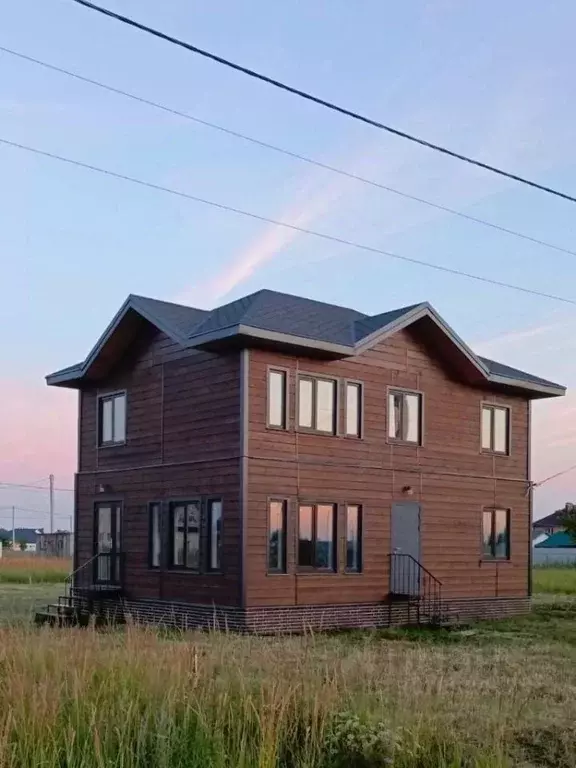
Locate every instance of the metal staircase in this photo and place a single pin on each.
(97, 579)
(414, 585)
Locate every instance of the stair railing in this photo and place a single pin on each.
(411, 580)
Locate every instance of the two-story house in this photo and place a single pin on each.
(279, 463)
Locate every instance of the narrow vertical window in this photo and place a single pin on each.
(305, 403)
(353, 538)
(112, 419)
(305, 538)
(353, 409)
(277, 399)
(214, 534)
(495, 429)
(155, 534)
(496, 534)
(405, 417)
(277, 536)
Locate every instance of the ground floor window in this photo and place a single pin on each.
(316, 536)
(185, 530)
(277, 509)
(496, 534)
(214, 507)
(155, 509)
(353, 538)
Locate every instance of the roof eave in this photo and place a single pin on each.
(259, 334)
(539, 389)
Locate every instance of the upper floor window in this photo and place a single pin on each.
(405, 416)
(316, 536)
(495, 429)
(277, 535)
(496, 534)
(214, 533)
(353, 409)
(277, 398)
(317, 404)
(112, 419)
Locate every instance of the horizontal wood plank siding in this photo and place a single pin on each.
(182, 441)
(449, 476)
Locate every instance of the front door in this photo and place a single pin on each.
(107, 542)
(405, 546)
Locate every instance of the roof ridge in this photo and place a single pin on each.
(171, 303)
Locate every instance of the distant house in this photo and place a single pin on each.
(560, 547)
(550, 524)
(57, 544)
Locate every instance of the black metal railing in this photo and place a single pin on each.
(102, 571)
(410, 580)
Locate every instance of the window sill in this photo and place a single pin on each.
(407, 443)
(502, 454)
(495, 560)
(315, 572)
(112, 445)
(353, 573)
(276, 428)
(310, 431)
(181, 569)
(277, 573)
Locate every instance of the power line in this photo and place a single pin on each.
(322, 102)
(294, 227)
(553, 477)
(287, 152)
(31, 487)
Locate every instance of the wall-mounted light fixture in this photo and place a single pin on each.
(407, 490)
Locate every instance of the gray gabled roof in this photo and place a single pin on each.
(298, 323)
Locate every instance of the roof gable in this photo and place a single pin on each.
(294, 323)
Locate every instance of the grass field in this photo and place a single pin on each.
(497, 695)
(555, 580)
(33, 569)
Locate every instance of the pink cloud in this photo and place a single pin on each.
(39, 431)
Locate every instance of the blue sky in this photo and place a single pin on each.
(490, 80)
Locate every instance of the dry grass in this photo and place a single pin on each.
(141, 699)
(33, 569)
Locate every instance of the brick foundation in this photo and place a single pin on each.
(298, 619)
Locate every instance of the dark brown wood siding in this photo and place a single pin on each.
(448, 475)
(182, 441)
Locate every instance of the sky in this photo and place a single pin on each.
(491, 80)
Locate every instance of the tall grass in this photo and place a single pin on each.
(33, 569)
(137, 699)
(555, 580)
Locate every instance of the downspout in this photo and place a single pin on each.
(244, 433)
(530, 496)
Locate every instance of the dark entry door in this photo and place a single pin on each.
(405, 545)
(108, 542)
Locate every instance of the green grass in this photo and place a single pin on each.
(555, 580)
(497, 695)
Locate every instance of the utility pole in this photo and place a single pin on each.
(51, 503)
(13, 529)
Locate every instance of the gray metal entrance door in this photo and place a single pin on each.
(405, 540)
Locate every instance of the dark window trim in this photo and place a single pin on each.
(183, 567)
(405, 391)
(360, 508)
(151, 504)
(360, 420)
(285, 507)
(100, 398)
(208, 501)
(333, 568)
(493, 558)
(492, 407)
(315, 379)
(286, 373)
(117, 513)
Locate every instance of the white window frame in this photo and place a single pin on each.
(493, 407)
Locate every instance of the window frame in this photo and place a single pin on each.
(151, 505)
(100, 400)
(286, 374)
(314, 378)
(404, 391)
(493, 407)
(208, 503)
(493, 558)
(285, 507)
(333, 568)
(360, 418)
(360, 509)
(172, 504)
